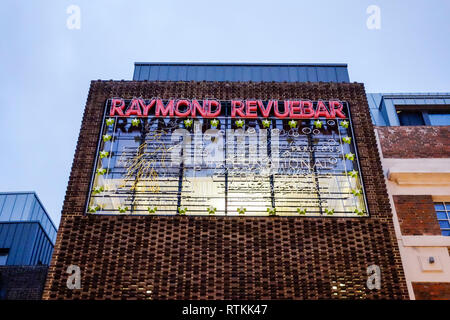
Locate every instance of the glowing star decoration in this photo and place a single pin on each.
(104, 154)
(109, 121)
(101, 171)
(353, 173)
(317, 124)
(301, 211)
(106, 137)
(272, 211)
(97, 189)
(357, 192)
(182, 211)
(241, 210)
(239, 123)
(292, 124)
(329, 212)
(187, 123)
(152, 210)
(347, 140)
(211, 210)
(344, 124)
(93, 209)
(123, 209)
(350, 156)
(135, 122)
(359, 212)
(214, 123)
(266, 123)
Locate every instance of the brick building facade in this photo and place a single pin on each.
(202, 257)
(416, 215)
(22, 282)
(27, 237)
(413, 133)
(415, 142)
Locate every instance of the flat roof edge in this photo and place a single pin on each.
(410, 95)
(256, 64)
(39, 201)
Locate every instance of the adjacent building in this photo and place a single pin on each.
(27, 237)
(413, 134)
(228, 181)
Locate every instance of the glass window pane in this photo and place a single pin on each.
(441, 215)
(444, 224)
(439, 206)
(410, 118)
(3, 256)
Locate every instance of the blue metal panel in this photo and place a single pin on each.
(144, 72)
(164, 73)
(246, 74)
(18, 244)
(19, 205)
(3, 233)
(311, 74)
(27, 243)
(227, 74)
(331, 74)
(136, 72)
(292, 74)
(210, 74)
(153, 74)
(266, 75)
(283, 74)
(391, 112)
(8, 206)
(387, 102)
(39, 248)
(322, 74)
(29, 204)
(182, 74)
(342, 74)
(302, 75)
(173, 73)
(200, 74)
(266, 72)
(39, 242)
(26, 207)
(374, 101)
(256, 73)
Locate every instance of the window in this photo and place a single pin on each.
(3, 256)
(410, 118)
(221, 166)
(443, 216)
(2, 288)
(425, 116)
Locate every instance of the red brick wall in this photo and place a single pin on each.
(415, 142)
(182, 257)
(22, 282)
(431, 290)
(416, 215)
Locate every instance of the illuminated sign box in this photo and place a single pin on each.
(234, 158)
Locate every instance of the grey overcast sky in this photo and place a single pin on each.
(46, 68)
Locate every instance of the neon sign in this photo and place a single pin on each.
(235, 157)
(247, 109)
